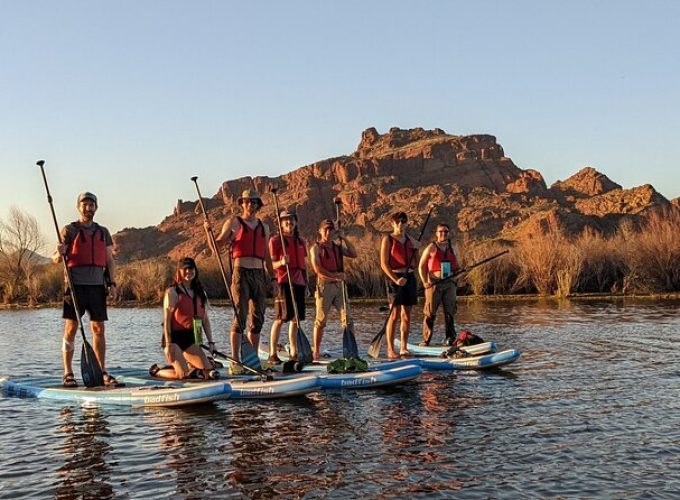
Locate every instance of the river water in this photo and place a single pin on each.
(591, 409)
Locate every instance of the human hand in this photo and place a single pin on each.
(401, 281)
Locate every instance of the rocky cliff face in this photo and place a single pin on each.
(470, 181)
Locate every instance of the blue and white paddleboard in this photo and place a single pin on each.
(476, 349)
(133, 395)
(376, 376)
(240, 386)
(482, 362)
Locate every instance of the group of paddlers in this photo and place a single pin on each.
(261, 262)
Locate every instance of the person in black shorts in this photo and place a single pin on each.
(88, 250)
(296, 258)
(399, 260)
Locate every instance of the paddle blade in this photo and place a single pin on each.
(90, 370)
(249, 355)
(304, 350)
(349, 344)
(374, 348)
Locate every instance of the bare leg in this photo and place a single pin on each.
(274, 336)
(70, 329)
(316, 341)
(292, 329)
(390, 327)
(99, 342)
(405, 328)
(235, 339)
(254, 339)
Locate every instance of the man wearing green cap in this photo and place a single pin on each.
(88, 250)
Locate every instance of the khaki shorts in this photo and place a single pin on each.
(329, 294)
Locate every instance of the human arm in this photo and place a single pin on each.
(62, 246)
(226, 235)
(169, 304)
(348, 249)
(110, 274)
(385, 262)
(422, 267)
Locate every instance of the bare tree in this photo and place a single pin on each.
(20, 242)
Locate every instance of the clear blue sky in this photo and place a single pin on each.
(129, 99)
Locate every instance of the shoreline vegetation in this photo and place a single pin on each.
(382, 301)
(634, 261)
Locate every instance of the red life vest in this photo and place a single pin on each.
(400, 253)
(186, 310)
(88, 248)
(437, 256)
(249, 242)
(330, 257)
(296, 251)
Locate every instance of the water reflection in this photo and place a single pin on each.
(86, 472)
(590, 409)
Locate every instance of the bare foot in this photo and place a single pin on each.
(392, 355)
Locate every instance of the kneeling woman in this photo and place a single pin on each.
(185, 310)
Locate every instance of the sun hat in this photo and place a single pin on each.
(250, 194)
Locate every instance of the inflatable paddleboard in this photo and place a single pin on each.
(133, 395)
(476, 349)
(240, 386)
(482, 362)
(376, 376)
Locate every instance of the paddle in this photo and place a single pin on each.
(229, 358)
(304, 350)
(90, 370)
(469, 268)
(374, 348)
(247, 351)
(349, 340)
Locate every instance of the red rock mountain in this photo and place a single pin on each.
(468, 179)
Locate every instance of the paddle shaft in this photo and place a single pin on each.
(338, 205)
(64, 258)
(285, 256)
(213, 242)
(229, 358)
(469, 268)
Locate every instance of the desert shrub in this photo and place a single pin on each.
(480, 279)
(602, 266)
(540, 258)
(145, 280)
(46, 284)
(364, 276)
(652, 254)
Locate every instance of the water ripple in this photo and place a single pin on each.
(590, 410)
